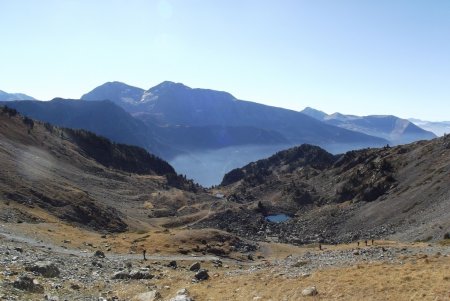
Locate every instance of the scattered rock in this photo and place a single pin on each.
(148, 296)
(182, 295)
(97, 264)
(195, 267)
(137, 274)
(201, 275)
(26, 283)
(134, 274)
(44, 268)
(121, 275)
(75, 286)
(99, 254)
(172, 264)
(310, 291)
(217, 263)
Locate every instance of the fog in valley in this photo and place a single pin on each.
(207, 168)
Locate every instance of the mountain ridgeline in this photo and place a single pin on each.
(176, 104)
(4, 96)
(101, 117)
(196, 129)
(395, 130)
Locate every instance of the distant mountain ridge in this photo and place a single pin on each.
(14, 96)
(192, 127)
(440, 128)
(394, 129)
(172, 103)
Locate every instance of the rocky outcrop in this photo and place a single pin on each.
(45, 268)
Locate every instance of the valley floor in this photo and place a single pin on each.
(385, 270)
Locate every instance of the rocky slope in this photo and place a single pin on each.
(396, 192)
(83, 178)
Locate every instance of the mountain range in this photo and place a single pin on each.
(14, 96)
(77, 208)
(197, 130)
(175, 104)
(394, 129)
(390, 192)
(439, 128)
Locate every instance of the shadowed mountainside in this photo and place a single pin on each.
(101, 117)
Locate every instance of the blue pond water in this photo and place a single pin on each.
(277, 218)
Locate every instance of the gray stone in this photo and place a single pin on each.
(182, 295)
(217, 263)
(134, 274)
(310, 291)
(148, 296)
(44, 268)
(137, 274)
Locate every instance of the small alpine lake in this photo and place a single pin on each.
(277, 218)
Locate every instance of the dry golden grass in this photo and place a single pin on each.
(422, 280)
(417, 279)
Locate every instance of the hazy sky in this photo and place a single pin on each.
(359, 57)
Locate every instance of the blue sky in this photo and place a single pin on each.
(358, 57)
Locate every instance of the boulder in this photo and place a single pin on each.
(182, 295)
(195, 267)
(172, 264)
(148, 296)
(201, 275)
(99, 254)
(121, 275)
(137, 274)
(217, 263)
(26, 283)
(45, 268)
(310, 291)
(134, 274)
